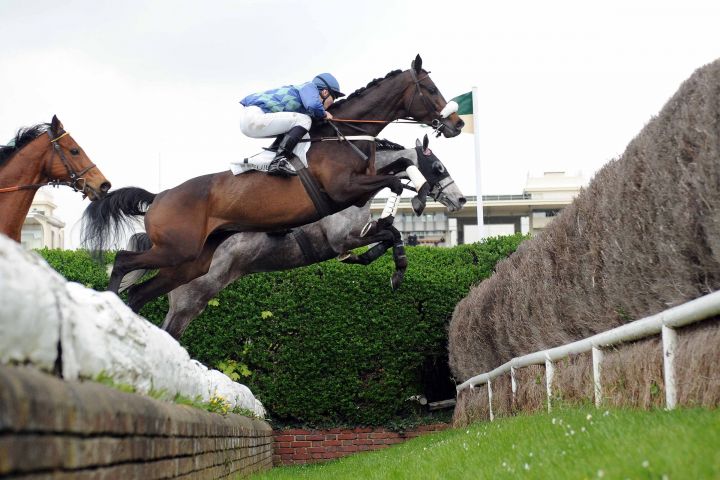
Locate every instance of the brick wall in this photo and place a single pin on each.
(296, 446)
(55, 429)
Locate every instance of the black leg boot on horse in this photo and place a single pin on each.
(280, 165)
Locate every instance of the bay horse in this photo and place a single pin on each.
(331, 237)
(187, 223)
(41, 155)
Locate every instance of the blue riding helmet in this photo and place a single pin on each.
(327, 80)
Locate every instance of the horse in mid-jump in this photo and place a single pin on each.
(187, 223)
(331, 237)
(42, 155)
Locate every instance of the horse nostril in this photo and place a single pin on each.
(462, 201)
(105, 186)
(460, 124)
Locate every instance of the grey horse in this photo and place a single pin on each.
(331, 237)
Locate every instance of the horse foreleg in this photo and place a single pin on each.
(422, 187)
(383, 239)
(369, 256)
(401, 264)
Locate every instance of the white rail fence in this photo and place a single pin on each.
(665, 322)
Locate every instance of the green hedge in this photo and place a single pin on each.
(330, 344)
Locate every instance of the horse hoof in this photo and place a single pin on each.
(385, 222)
(396, 281)
(344, 256)
(368, 229)
(418, 205)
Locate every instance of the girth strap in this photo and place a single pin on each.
(323, 203)
(305, 245)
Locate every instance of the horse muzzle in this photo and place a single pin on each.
(447, 127)
(95, 193)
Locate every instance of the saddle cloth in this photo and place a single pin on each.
(259, 162)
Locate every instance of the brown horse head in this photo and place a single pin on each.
(426, 96)
(66, 161)
(409, 94)
(44, 154)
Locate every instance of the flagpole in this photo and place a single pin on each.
(478, 186)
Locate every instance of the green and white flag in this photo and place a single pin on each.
(465, 110)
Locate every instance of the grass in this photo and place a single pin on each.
(215, 404)
(572, 443)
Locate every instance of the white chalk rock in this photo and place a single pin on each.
(49, 322)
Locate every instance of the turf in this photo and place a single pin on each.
(572, 443)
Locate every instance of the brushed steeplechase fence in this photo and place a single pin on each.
(665, 322)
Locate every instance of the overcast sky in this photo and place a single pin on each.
(150, 90)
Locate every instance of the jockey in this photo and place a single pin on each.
(288, 110)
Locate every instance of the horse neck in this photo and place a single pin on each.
(383, 158)
(384, 101)
(23, 168)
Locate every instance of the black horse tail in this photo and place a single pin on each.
(107, 221)
(139, 242)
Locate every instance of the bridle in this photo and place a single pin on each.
(434, 172)
(430, 109)
(77, 182)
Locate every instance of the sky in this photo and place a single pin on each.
(150, 89)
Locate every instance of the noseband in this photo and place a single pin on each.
(439, 187)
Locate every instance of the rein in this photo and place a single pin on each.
(429, 107)
(76, 182)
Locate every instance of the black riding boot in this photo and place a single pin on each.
(280, 165)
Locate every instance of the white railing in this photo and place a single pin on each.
(664, 322)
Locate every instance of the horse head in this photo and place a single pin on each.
(427, 105)
(400, 95)
(70, 164)
(442, 186)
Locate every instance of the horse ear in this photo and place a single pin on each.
(56, 125)
(417, 64)
(426, 142)
(417, 142)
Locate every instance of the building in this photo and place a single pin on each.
(42, 229)
(530, 212)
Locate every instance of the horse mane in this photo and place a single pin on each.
(384, 144)
(24, 136)
(361, 90)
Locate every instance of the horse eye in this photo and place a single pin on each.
(439, 167)
(74, 151)
(432, 90)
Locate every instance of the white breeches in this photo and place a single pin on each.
(257, 124)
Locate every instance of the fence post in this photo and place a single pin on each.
(513, 386)
(549, 374)
(489, 384)
(597, 358)
(669, 340)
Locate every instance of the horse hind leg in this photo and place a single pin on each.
(124, 263)
(158, 256)
(188, 301)
(169, 278)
